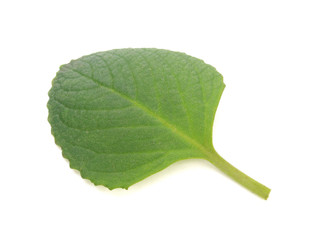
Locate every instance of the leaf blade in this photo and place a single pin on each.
(76, 117)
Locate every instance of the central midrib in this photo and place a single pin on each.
(157, 117)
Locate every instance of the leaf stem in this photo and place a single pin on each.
(238, 176)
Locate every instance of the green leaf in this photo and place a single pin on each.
(122, 115)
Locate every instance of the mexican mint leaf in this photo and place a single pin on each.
(122, 115)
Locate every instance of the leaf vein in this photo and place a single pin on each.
(150, 112)
(92, 110)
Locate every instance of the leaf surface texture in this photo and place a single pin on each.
(122, 115)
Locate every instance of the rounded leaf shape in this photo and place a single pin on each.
(122, 115)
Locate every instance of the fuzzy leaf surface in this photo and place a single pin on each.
(122, 115)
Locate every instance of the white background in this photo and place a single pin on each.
(273, 123)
